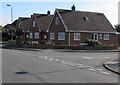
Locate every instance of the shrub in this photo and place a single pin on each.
(91, 42)
(42, 42)
(26, 42)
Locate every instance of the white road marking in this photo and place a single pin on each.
(45, 58)
(99, 69)
(92, 69)
(75, 64)
(51, 59)
(105, 72)
(57, 60)
(107, 57)
(87, 57)
(40, 56)
(87, 66)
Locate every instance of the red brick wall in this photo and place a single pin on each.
(56, 29)
(33, 30)
(84, 36)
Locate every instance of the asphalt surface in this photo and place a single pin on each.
(49, 66)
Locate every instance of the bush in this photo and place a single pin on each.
(42, 42)
(26, 42)
(91, 42)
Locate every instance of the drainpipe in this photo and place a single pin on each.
(69, 38)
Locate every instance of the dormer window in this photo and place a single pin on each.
(57, 21)
(33, 23)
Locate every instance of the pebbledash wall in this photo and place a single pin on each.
(69, 36)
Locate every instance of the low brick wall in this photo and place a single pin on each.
(86, 47)
(40, 46)
(47, 46)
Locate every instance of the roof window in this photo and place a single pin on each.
(86, 18)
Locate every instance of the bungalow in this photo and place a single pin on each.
(22, 29)
(71, 27)
(38, 27)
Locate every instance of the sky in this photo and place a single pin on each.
(25, 8)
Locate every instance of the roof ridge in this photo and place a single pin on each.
(78, 11)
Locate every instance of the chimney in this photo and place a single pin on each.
(48, 12)
(73, 8)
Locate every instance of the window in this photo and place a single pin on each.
(17, 37)
(31, 35)
(33, 23)
(57, 21)
(100, 35)
(36, 35)
(27, 36)
(95, 36)
(45, 36)
(21, 36)
(52, 36)
(106, 36)
(76, 36)
(61, 36)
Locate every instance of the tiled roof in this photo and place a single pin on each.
(85, 21)
(43, 21)
(25, 24)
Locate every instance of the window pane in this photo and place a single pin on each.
(61, 36)
(57, 21)
(33, 23)
(31, 35)
(100, 35)
(37, 35)
(76, 36)
(52, 35)
(106, 36)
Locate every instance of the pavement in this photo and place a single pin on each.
(113, 65)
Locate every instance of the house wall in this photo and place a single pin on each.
(70, 36)
(44, 34)
(34, 29)
(56, 29)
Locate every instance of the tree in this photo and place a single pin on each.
(1, 27)
(117, 27)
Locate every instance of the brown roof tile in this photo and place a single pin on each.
(85, 21)
(43, 21)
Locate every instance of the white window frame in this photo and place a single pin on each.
(45, 36)
(34, 23)
(76, 36)
(100, 36)
(52, 36)
(31, 35)
(94, 36)
(36, 35)
(57, 21)
(61, 36)
(27, 36)
(106, 36)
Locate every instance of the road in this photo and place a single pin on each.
(56, 67)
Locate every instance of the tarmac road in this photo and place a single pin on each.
(48, 66)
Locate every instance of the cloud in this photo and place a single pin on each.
(110, 9)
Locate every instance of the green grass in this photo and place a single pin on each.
(118, 47)
(3, 42)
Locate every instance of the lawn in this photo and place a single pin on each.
(3, 42)
(118, 47)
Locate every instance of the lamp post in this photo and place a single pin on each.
(11, 19)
